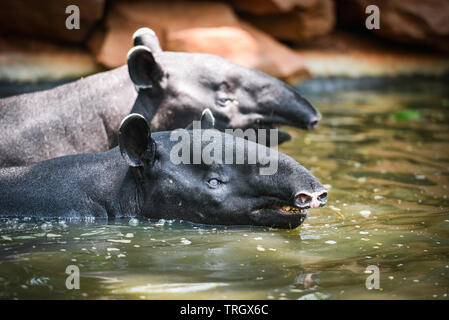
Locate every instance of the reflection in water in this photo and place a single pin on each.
(383, 156)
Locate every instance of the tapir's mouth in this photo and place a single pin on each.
(279, 216)
(283, 210)
(282, 136)
(291, 210)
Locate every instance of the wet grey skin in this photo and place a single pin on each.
(139, 179)
(170, 89)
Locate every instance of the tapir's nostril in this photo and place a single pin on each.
(304, 198)
(323, 197)
(312, 124)
(314, 200)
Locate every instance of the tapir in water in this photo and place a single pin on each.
(170, 89)
(140, 179)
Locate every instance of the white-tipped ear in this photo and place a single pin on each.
(143, 31)
(147, 37)
(143, 69)
(207, 119)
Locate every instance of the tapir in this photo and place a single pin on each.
(170, 89)
(140, 179)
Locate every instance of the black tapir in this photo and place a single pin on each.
(170, 89)
(140, 179)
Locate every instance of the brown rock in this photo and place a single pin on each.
(46, 19)
(125, 17)
(412, 21)
(244, 45)
(244, 49)
(264, 7)
(290, 20)
(203, 27)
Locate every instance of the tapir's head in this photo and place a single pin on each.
(182, 85)
(216, 190)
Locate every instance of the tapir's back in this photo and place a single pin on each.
(68, 119)
(54, 187)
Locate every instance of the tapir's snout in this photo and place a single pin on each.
(306, 112)
(294, 110)
(313, 122)
(290, 193)
(306, 200)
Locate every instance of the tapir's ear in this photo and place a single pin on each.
(148, 38)
(135, 142)
(143, 69)
(207, 120)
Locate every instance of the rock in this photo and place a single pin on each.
(244, 45)
(216, 41)
(124, 18)
(264, 7)
(411, 22)
(290, 20)
(46, 19)
(203, 27)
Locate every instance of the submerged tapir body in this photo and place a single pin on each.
(140, 179)
(170, 89)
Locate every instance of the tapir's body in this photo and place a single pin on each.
(52, 123)
(170, 89)
(88, 185)
(140, 179)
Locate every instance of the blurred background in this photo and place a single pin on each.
(290, 39)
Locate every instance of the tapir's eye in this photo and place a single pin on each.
(224, 101)
(214, 183)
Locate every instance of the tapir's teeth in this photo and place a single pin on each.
(291, 209)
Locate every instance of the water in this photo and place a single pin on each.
(384, 156)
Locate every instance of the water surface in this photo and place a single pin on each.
(383, 155)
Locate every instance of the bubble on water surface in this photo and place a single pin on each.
(185, 241)
(119, 241)
(365, 213)
(46, 226)
(53, 235)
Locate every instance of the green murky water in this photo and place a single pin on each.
(384, 157)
